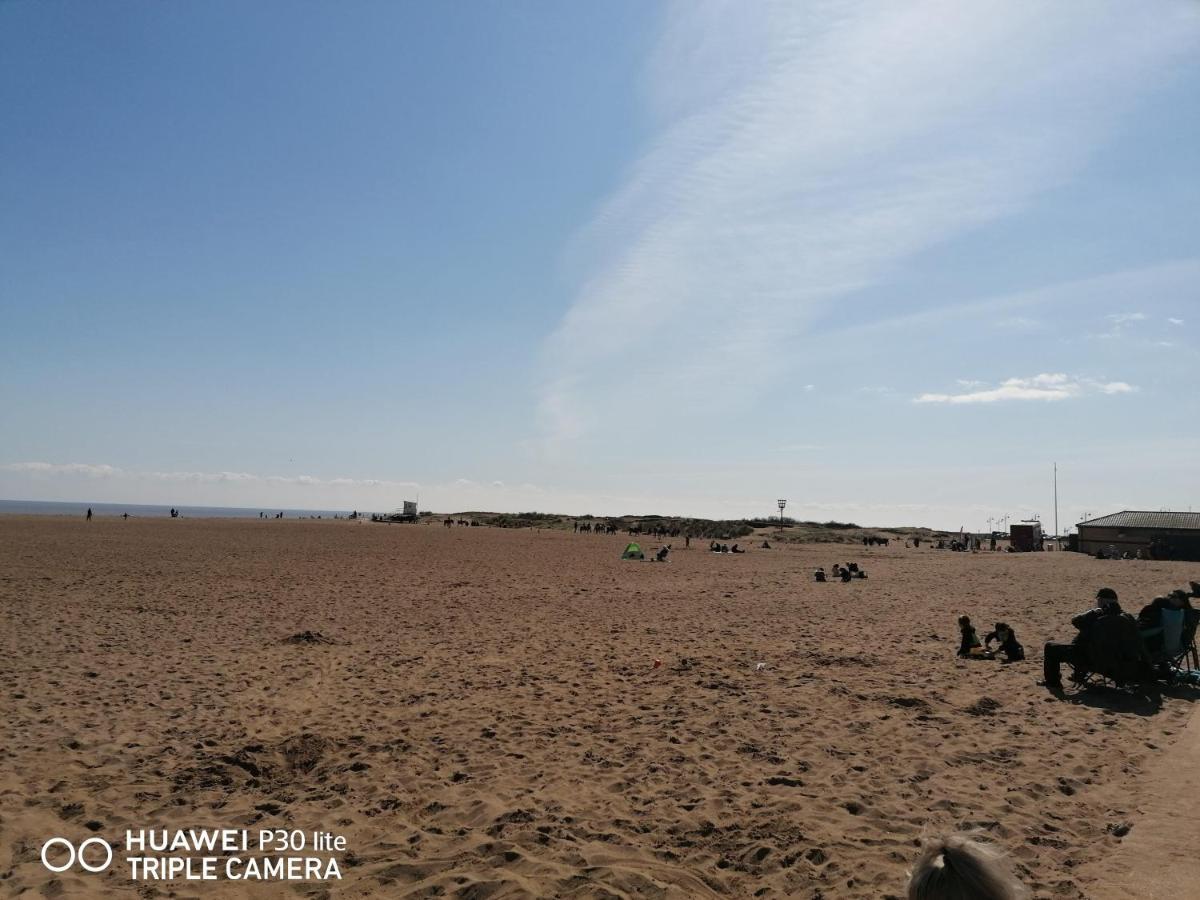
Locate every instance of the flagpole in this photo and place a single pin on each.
(1056, 535)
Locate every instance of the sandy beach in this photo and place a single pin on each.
(486, 719)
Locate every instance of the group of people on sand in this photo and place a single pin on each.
(1108, 641)
(714, 547)
(1116, 645)
(970, 647)
(840, 572)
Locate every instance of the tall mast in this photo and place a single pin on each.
(1056, 501)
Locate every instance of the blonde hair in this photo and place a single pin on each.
(958, 867)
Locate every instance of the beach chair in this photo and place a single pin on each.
(1115, 653)
(1180, 661)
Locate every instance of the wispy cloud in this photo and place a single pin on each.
(91, 470)
(1125, 318)
(1174, 321)
(1019, 323)
(88, 470)
(1054, 386)
(806, 150)
(1118, 325)
(103, 481)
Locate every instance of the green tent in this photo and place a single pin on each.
(633, 551)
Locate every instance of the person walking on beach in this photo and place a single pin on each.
(89, 514)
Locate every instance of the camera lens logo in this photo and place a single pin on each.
(74, 854)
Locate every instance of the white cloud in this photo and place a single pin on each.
(1050, 386)
(804, 152)
(90, 470)
(1125, 318)
(63, 480)
(1122, 326)
(1019, 323)
(45, 468)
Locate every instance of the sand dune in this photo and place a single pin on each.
(477, 712)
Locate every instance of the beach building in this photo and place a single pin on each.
(1159, 535)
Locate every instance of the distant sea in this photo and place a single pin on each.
(52, 508)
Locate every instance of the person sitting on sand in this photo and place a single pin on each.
(661, 555)
(1054, 654)
(736, 550)
(836, 570)
(819, 575)
(860, 573)
(968, 644)
(766, 546)
(845, 575)
(958, 867)
(853, 567)
(1008, 644)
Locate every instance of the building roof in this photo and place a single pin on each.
(1129, 518)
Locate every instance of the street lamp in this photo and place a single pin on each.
(781, 504)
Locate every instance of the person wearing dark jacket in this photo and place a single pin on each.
(1055, 653)
(968, 643)
(1007, 639)
(1151, 614)
(1163, 621)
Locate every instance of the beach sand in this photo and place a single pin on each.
(488, 722)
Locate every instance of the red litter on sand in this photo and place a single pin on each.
(657, 663)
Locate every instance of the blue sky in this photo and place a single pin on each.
(887, 261)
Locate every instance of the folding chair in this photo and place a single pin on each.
(1115, 654)
(1175, 660)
